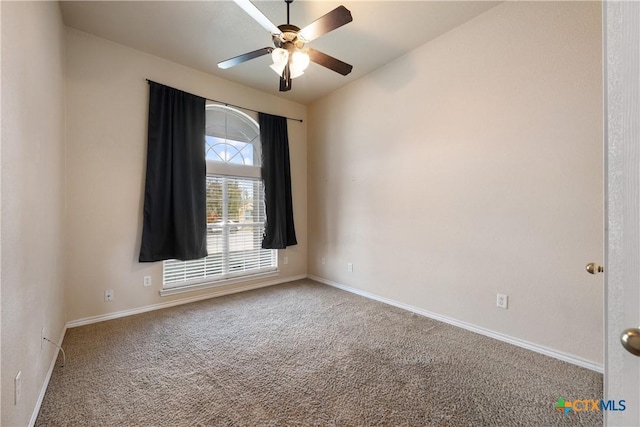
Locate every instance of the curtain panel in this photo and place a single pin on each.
(276, 174)
(174, 223)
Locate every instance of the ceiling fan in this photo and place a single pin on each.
(290, 55)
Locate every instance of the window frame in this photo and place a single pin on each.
(226, 171)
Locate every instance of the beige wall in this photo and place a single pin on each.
(107, 103)
(32, 195)
(469, 167)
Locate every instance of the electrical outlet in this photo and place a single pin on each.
(147, 281)
(502, 301)
(41, 338)
(17, 387)
(350, 267)
(285, 260)
(108, 295)
(324, 260)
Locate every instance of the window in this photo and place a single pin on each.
(235, 205)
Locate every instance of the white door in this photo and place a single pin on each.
(621, 30)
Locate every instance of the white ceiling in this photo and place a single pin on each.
(199, 34)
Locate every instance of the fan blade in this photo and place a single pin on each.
(243, 58)
(329, 62)
(329, 22)
(285, 79)
(255, 13)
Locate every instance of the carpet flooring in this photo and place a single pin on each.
(304, 354)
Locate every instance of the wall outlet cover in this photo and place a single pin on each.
(502, 301)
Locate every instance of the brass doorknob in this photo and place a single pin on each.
(631, 340)
(594, 268)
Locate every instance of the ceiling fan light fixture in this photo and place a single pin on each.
(280, 59)
(299, 60)
(278, 68)
(296, 73)
(298, 63)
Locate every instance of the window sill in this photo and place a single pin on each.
(217, 283)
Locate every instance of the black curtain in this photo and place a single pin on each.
(175, 224)
(279, 230)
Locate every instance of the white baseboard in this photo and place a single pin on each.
(470, 327)
(43, 390)
(153, 307)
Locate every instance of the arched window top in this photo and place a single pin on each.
(232, 136)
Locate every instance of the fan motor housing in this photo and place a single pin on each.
(289, 37)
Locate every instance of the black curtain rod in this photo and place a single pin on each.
(225, 103)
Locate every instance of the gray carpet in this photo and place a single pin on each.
(304, 354)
